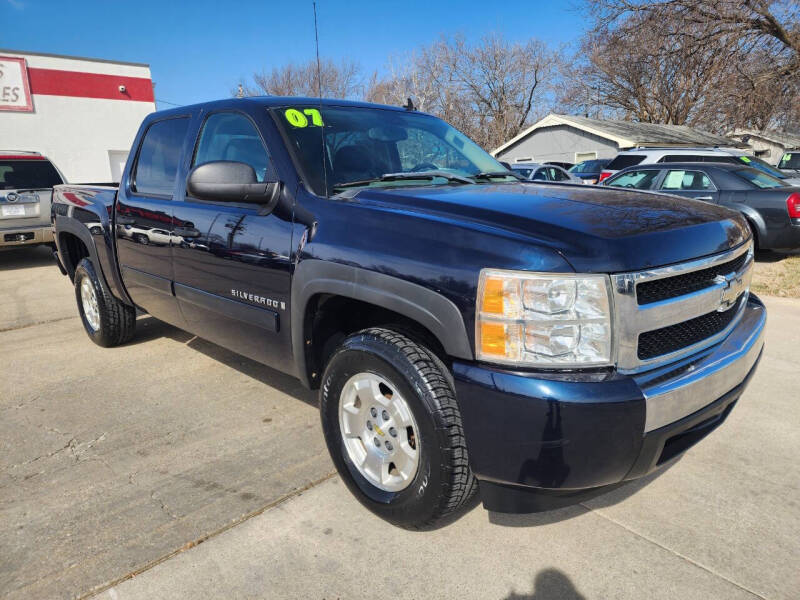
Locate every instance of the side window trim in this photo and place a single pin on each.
(271, 174)
(131, 187)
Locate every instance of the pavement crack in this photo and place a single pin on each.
(70, 444)
(206, 537)
(673, 552)
(163, 505)
(26, 325)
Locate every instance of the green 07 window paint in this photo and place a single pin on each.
(296, 118)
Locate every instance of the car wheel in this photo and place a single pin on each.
(394, 430)
(107, 321)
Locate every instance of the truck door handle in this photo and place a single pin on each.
(707, 198)
(125, 220)
(187, 232)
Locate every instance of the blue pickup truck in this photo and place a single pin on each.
(469, 333)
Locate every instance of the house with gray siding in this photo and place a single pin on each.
(769, 145)
(567, 138)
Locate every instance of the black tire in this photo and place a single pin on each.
(443, 482)
(117, 320)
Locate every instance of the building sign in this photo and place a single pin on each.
(15, 91)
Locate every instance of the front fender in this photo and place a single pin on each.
(428, 308)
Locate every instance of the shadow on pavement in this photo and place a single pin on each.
(25, 257)
(149, 328)
(773, 256)
(550, 584)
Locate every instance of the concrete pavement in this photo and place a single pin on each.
(115, 465)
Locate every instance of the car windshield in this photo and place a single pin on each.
(790, 160)
(366, 146)
(757, 163)
(759, 179)
(27, 174)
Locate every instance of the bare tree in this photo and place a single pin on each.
(342, 80)
(739, 59)
(490, 90)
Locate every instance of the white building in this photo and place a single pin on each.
(82, 113)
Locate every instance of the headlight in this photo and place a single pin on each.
(543, 320)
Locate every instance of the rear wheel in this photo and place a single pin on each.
(393, 429)
(107, 321)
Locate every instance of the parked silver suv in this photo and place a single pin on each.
(647, 156)
(26, 191)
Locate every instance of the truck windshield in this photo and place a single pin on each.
(27, 174)
(366, 146)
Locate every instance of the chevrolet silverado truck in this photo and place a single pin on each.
(469, 333)
(26, 188)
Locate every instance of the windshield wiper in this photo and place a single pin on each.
(409, 176)
(493, 174)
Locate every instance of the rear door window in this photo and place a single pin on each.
(27, 174)
(759, 179)
(640, 180)
(623, 161)
(686, 180)
(683, 158)
(159, 155)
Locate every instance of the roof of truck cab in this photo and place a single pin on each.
(275, 101)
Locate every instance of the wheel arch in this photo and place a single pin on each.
(756, 222)
(368, 298)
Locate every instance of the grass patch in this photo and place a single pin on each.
(777, 275)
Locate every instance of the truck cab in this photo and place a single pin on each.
(468, 332)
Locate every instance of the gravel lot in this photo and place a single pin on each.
(173, 468)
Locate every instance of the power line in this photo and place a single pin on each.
(170, 103)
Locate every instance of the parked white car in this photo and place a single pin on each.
(648, 156)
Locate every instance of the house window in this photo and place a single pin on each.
(582, 156)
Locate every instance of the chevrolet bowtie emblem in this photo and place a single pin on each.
(732, 288)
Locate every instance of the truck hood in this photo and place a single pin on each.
(595, 229)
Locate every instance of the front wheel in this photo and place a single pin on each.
(107, 321)
(394, 430)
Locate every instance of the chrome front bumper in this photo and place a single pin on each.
(680, 389)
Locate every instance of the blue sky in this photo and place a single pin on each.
(198, 51)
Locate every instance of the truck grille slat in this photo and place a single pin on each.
(675, 337)
(649, 292)
(668, 313)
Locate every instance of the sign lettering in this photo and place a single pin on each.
(15, 91)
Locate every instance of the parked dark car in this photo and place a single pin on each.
(771, 208)
(589, 170)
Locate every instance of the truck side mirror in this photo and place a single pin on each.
(229, 181)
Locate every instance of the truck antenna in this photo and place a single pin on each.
(319, 95)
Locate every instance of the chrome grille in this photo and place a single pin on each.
(656, 290)
(667, 313)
